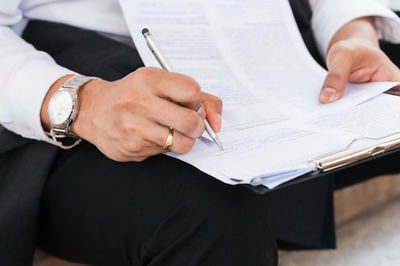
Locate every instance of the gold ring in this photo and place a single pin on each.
(170, 138)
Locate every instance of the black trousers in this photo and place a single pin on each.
(157, 212)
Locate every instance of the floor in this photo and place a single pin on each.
(372, 239)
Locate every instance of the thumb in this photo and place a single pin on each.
(340, 67)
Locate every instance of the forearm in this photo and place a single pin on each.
(361, 28)
(25, 77)
(331, 16)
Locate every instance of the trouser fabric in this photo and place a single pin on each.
(158, 212)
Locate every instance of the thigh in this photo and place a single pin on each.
(103, 212)
(157, 212)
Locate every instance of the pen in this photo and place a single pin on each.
(166, 65)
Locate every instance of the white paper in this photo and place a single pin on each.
(251, 55)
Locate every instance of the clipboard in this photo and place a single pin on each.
(332, 160)
(343, 158)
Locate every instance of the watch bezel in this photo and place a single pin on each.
(74, 108)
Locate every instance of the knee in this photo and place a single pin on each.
(212, 219)
(231, 210)
(230, 219)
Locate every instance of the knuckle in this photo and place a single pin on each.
(134, 101)
(341, 51)
(134, 147)
(142, 103)
(129, 130)
(145, 75)
(144, 72)
(125, 99)
(185, 145)
(335, 76)
(218, 102)
(191, 123)
(192, 90)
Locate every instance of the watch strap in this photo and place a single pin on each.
(76, 82)
(63, 137)
(72, 142)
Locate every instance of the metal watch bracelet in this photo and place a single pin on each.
(61, 133)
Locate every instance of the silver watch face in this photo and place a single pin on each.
(60, 107)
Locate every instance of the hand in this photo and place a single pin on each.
(128, 119)
(355, 60)
(354, 55)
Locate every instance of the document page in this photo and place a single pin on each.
(251, 55)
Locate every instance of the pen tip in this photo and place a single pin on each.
(219, 143)
(145, 30)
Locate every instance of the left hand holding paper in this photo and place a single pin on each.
(354, 55)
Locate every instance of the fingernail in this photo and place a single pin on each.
(329, 95)
(201, 112)
(219, 122)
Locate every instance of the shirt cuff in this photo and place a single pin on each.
(333, 14)
(28, 94)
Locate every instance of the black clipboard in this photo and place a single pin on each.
(342, 158)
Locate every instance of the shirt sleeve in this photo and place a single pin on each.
(26, 74)
(330, 15)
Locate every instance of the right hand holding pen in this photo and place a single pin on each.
(129, 119)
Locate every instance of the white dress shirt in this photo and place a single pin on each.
(26, 74)
(330, 15)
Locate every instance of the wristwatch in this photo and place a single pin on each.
(62, 110)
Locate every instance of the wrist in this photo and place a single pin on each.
(81, 126)
(358, 29)
(61, 107)
(44, 118)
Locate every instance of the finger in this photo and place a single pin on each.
(182, 119)
(340, 67)
(395, 75)
(176, 87)
(388, 73)
(159, 135)
(213, 109)
(181, 89)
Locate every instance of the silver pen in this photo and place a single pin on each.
(166, 65)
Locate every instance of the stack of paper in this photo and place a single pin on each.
(250, 54)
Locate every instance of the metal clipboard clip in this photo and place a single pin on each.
(328, 161)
